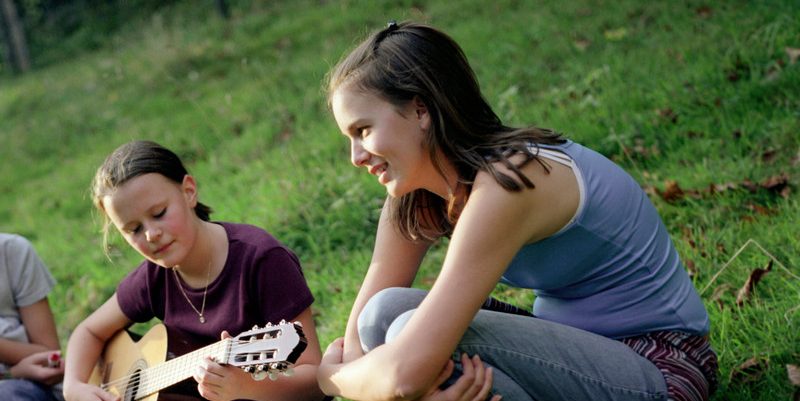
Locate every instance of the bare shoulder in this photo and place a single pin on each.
(547, 207)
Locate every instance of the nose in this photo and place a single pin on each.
(358, 155)
(152, 233)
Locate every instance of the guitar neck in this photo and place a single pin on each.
(159, 377)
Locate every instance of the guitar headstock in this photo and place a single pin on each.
(267, 351)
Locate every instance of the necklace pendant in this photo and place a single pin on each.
(202, 319)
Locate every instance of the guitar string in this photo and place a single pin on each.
(127, 380)
(133, 381)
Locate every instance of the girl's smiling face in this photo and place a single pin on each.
(155, 216)
(387, 140)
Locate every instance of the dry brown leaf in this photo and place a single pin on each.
(755, 276)
(703, 11)
(672, 191)
(691, 268)
(777, 183)
(749, 371)
(768, 156)
(718, 293)
(668, 114)
(793, 54)
(794, 374)
(758, 209)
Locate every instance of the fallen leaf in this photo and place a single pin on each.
(703, 11)
(719, 188)
(615, 34)
(668, 114)
(581, 44)
(749, 371)
(672, 191)
(793, 54)
(718, 293)
(769, 155)
(776, 183)
(691, 268)
(794, 374)
(758, 209)
(755, 276)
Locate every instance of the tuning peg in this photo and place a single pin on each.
(248, 369)
(259, 375)
(288, 372)
(283, 321)
(269, 324)
(255, 327)
(299, 323)
(272, 376)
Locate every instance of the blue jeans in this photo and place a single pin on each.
(27, 390)
(532, 359)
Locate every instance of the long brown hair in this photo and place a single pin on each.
(132, 160)
(411, 60)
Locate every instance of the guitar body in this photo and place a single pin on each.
(123, 357)
(138, 370)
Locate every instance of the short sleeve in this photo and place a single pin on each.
(29, 278)
(134, 295)
(281, 286)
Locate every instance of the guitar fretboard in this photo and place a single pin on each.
(153, 379)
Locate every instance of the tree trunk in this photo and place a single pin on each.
(16, 44)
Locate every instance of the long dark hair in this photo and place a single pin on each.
(132, 160)
(409, 60)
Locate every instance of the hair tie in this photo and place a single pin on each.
(391, 27)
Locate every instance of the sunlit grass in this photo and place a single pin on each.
(687, 91)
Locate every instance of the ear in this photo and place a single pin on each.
(421, 112)
(189, 188)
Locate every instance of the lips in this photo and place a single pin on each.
(377, 170)
(163, 248)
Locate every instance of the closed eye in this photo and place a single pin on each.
(161, 213)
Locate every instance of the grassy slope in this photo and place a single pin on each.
(673, 91)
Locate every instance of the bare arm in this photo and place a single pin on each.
(40, 326)
(493, 226)
(85, 346)
(395, 262)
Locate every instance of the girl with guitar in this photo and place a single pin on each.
(202, 279)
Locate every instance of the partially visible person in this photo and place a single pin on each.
(29, 346)
(202, 279)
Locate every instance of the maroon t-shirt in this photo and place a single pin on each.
(261, 282)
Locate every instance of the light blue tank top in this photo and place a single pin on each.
(613, 269)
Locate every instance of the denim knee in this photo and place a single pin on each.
(24, 390)
(381, 310)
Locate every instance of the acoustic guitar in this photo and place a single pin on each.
(138, 370)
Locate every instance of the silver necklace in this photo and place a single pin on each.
(205, 291)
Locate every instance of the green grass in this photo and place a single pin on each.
(696, 92)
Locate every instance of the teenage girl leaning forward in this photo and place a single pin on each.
(616, 316)
(200, 278)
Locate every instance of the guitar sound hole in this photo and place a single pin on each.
(133, 386)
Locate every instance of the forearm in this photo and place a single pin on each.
(83, 351)
(11, 352)
(381, 374)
